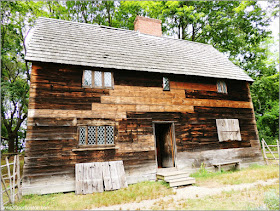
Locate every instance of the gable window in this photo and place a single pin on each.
(221, 87)
(96, 135)
(165, 84)
(228, 130)
(97, 79)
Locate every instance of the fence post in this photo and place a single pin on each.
(14, 179)
(278, 149)
(1, 193)
(18, 178)
(9, 176)
(264, 152)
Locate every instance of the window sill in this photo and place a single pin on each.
(97, 87)
(96, 148)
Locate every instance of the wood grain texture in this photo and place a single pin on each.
(59, 104)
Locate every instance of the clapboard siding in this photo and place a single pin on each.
(59, 104)
(55, 86)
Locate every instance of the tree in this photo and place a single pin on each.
(100, 12)
(16, 20)
(265, 96)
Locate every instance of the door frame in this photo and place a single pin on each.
(173, 140)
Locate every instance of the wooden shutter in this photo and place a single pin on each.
(228, 130)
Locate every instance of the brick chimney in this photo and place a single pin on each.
(148, 26)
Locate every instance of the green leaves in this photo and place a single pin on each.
(265, 96)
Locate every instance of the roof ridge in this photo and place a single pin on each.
(127, 30)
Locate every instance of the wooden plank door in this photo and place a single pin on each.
(164, 145)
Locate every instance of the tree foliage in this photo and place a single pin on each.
(239, 29)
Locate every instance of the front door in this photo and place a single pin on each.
(164, 145)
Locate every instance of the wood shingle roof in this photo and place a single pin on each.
(67, 42)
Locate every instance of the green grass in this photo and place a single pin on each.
(271, 156)
(70, 201)
(247, 175)
(260, 197)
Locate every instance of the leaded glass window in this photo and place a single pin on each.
(100, 135)
(166, 85)
(87, 79)
(221, 87)
(91, 135)
(98, 78)
(82, 135)
(107, 79)
(96, 135)
(109, 135)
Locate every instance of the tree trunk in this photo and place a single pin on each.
(16, 148)
(11, 145)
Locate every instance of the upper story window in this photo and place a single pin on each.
(97, 79)
(165, 84)
(221, 87)
(96, 135)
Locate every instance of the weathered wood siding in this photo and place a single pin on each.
(59, 104)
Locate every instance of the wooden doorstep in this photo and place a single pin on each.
(180, 179)
(180, 183)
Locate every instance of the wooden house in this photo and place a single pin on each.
(99, 93)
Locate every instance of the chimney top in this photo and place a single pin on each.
(147, 25)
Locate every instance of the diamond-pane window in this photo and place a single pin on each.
(107, 79)
(82, 135)
(100, 135)
(87, 80)
(91, 135)
(96, 135)
(221, 87)
(166, 86)
(109, 135)
(98, 78)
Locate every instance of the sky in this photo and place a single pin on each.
(274, 27)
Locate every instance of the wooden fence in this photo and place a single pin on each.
(10, 181)
(268, 149)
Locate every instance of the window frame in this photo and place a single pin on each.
(96, 135)
(223, 86)
(102, 80)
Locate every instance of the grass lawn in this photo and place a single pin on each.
(70, 201)
(271, 156)
(246, 175)
(257, 198)
(245, 199)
